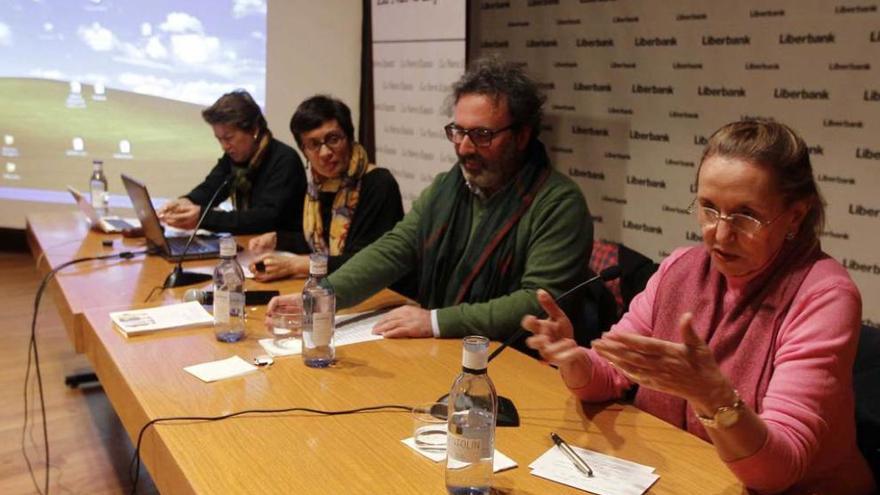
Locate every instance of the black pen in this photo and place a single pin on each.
(578, 462)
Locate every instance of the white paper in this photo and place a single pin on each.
(293, 348)
(219, 370)
(138, 321)
(611, 475)
(500, 462)
(361, 331)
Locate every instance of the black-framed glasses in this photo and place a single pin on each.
(480, 136)
(333, 141)
(746, 224)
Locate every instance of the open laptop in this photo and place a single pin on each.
(108, 224)
(170, 248)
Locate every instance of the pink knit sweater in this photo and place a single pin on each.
(808, 409)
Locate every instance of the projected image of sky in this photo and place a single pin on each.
(191, 51)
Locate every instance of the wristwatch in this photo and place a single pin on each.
(725, 416)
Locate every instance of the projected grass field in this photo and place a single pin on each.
(172, 148)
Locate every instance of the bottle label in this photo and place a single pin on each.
(474, 360)
(462, 449)
(322, 328)
(221, 306)
(96, 188)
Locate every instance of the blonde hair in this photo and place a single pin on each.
(783, 152)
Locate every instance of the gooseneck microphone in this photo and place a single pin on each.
(251, 297)
(178, 277)
(507, 413)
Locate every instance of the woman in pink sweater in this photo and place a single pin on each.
(747, 341)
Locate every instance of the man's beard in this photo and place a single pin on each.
(491, 176)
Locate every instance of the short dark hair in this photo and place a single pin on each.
(494, 77)
(783, 152)
(237, 109)
(317, 110)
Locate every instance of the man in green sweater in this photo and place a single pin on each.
(484, 236)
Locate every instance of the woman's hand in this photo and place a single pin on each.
(277, 265)
(553, 338)
(265, 242)
(180, 213)
(687, 370)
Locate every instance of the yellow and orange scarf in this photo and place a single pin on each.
(347, 188)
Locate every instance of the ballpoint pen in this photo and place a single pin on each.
(578, 462)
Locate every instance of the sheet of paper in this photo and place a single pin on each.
(294, 347)
(138, 321)
(611, 475)
(500, 462)
(362, 331)
(222, 369)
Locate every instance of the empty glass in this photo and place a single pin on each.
(429, 426)
(286, 327)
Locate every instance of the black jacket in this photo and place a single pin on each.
(279, 185)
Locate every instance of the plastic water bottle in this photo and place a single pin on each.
(319, 309)
(229, 315)
(473, 407)
(98, 188)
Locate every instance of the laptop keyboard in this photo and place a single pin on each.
(118, 223)
(176, 245)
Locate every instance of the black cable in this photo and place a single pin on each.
(134, 467)
(34, 356)
(153, 291)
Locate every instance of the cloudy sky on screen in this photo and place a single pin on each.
(191, 51)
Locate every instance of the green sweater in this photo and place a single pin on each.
(554, 238)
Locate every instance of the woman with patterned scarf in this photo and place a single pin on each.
(349, 202)
(747, 340)
(262, 176)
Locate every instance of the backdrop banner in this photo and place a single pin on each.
(635, 88)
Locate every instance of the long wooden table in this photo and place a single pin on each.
(304, 453)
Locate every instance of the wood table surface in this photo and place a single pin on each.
(295, 452)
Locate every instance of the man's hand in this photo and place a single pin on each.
(281, 304)
(405, 322)
(180, 213)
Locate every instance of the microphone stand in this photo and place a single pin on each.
(507, 413)
(180, 278)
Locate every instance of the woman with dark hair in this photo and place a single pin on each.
(349, 202)
(748, 340)
(266, 177)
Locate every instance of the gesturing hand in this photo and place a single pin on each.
(687, 369)
(554, 336)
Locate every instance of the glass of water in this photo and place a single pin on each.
(429, 426)
(286, 327)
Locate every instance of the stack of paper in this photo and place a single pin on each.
(220, 370)
(138, 321)
(611, 476)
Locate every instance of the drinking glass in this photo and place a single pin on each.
(286, 327)
(429, 426)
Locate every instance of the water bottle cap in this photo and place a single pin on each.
(318, 264)
(475, 352)
(228, 247)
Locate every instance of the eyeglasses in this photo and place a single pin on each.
(332, 140)
(480, 136)
(746, 224)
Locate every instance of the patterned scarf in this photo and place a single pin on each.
(347, 188)
(457, 267)
(742, 336)
(242, 182)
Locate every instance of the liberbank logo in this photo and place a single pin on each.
(855, 9)
(801, 94)
(594, 43)
(867, 154)
(587, 174)
(494, 5)
(652, 89)
(541, 43)
(642, 227)
(592, 87)
(590, 131)
(721, 91)
(872, 95)
(806, 39)
(648, 136)
(710, 40)
(656, 41)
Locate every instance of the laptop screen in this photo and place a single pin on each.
(140, 199)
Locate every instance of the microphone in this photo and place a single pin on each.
(251, 297)
(178, 277)
(507, 413)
